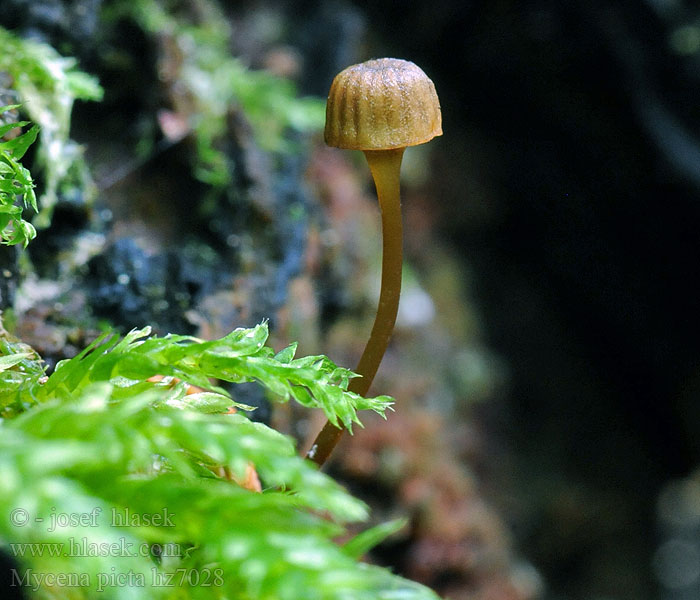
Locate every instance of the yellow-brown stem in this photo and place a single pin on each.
(386, 167)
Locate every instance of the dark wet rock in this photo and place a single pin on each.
(252, 394)
(71, 217)
(8, 276)
(131, 286)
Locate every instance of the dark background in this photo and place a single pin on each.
(568, 180)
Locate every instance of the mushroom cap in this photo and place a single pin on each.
(382, 104)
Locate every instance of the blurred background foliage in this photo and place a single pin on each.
(548, 351)
(196, 57)
(575, 141)
(48, 85)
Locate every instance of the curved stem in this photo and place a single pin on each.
(386, 167)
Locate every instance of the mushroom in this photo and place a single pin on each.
(380, 107)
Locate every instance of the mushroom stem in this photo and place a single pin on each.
(385, 166)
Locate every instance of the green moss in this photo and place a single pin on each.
(98, 440)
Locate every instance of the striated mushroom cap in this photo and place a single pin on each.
(380, 105)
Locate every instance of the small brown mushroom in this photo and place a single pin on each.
(380, 107)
